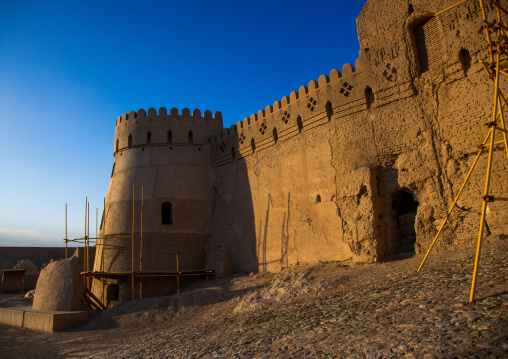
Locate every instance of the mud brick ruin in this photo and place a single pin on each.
(362, 163)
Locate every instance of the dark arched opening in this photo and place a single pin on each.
(112, 293)
(148, 138)
(167, 213)
(465, 60)
(369, 97)
(404, 208)
(233, 153)
(275, 136)
(129, 141)
(191, 138)
(299, 124)
(253, 145)
(170, 137)
(117, 144)
(329, 110)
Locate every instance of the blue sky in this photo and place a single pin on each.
(68, 69)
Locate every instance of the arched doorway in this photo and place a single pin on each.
(404, 208)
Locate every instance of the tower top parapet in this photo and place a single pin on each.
(163, 113)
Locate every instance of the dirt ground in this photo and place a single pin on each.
(208, 301)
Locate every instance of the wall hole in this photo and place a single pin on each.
(148, 138)
(117, 144)
(318, 198)
(170, 137)
(191, 138)
(363, 192)
(299, 124)
(329, 110)
(369, 97)
(253, 145)
(404, 208)
(112, 293)
(129, 141)
(465, 60)
(113, 170)
(275, 136)
(233, 153)
(167, 213)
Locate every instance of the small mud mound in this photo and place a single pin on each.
(285, 287)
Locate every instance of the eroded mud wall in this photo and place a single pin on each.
(364, 163)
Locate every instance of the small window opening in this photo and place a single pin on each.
(411, 9)
(170, 137)
(299, 124)
(233, 153)
(191, 138)
(167, 213)
(117, 144)
(148, 138)
(253, 145)
(275, 136)
(318, 198)
(129, 141)
(113, 170)
(465, 60)
(369, 97)
(329, 110)
(112, 293)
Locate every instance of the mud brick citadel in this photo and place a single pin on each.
(362, 163)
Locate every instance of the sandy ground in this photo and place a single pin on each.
(218, 300)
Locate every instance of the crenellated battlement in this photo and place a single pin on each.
(301, 101)
(142, 128)
(357, 165)
(163, 112)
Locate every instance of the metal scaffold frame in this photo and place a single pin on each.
(496, 34)
(87, 273)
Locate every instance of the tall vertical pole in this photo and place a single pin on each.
(66, 239)
(84, 249)
(132, 266)
(141, 247)
(103, 241)
(489, 163)
(87, 245)
(177, 276)
(103, 234)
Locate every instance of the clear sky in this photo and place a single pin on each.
(68, 69)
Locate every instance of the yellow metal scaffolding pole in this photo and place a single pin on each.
(492, 125)
(84, 249)
(133, 205)
(66, 239)
(141, 246)
(102, 275)
(87, 244)
(455, 201)
(497, 44)
(177, 276)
